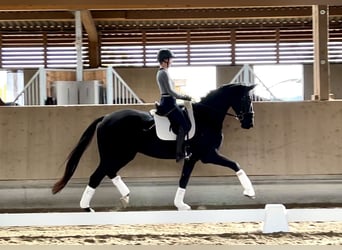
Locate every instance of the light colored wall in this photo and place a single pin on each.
(224, 74)
(142, 81)
(308, 81)
(335, 81)
(28, 74)
(288, 139)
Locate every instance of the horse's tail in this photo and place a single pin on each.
(75, 155)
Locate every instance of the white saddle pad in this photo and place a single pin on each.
(163, 124)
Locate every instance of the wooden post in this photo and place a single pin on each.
(78, 31)
(321, 75)
(94, 54)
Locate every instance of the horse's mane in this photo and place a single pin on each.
(213, 92)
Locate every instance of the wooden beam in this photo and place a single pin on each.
(151, 4)
(89, 25)
(188, 14)
(94, 50)
(321, 75)
(168, 14)
(36, 15)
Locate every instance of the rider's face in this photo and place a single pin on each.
(167, 62)
(170, 62)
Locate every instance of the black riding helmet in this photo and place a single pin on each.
(164, 54)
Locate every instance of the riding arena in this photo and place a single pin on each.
(101, 170)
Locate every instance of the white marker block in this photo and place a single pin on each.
(275, 219)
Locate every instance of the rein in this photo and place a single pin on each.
(238, 117)
(233, 115)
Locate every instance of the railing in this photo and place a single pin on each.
(117, 90)
(247, 76)
(34, 92)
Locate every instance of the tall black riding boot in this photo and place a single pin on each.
(179, 148)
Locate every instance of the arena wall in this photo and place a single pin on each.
(289, 138)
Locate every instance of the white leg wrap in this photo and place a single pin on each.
(246, 184)
(178, 202)
(123, 190)
(86, 197)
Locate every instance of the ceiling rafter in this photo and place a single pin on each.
(151, 4)
(36, 15)
(96, 20)
(89, 25)
(184, 14)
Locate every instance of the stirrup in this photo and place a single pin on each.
(187, 156)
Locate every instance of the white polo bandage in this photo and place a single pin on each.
(121, 186)
(86, 197)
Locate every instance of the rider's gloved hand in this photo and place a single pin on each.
(187, 98)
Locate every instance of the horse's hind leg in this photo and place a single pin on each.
(95, 180)
(123, 190)
(111, 171)
(88, 193)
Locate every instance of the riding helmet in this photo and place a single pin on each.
(164, 54)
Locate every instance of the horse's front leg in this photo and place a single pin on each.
(215, 158)
(183, 182)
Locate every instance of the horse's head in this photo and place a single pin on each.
(235, 96)
(243, 107)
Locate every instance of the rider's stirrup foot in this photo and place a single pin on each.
(187, 153)
(187, 156)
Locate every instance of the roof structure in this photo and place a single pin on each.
(63, 20)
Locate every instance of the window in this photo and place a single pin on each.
(11, 83)
(284, 82)
(195, 81)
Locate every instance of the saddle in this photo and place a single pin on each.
(164, 127)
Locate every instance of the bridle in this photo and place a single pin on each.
(246, 109)
(237, 117)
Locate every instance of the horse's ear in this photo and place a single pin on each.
(250, 87)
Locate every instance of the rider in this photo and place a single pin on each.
(168, 104)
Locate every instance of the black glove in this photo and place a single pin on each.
(187, 98)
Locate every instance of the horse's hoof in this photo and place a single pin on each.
(249, 194)
(251, 197)
(124, 201)
(89, 209)
(184, 207)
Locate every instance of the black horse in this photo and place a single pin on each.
(122, 134)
